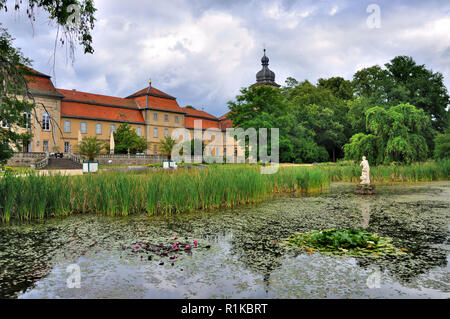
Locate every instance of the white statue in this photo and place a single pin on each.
(365, 177)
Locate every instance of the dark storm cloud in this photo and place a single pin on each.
(204, 51)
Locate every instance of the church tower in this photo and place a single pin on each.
(265, 76)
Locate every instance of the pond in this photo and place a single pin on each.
(238, 254)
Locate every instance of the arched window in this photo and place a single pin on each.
(45, 121)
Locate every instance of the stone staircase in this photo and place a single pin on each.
(62, 164)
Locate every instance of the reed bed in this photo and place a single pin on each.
(418, 172)
(161, 192)
(157, 192)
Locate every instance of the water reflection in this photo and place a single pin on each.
(244, 261)
(365, 210)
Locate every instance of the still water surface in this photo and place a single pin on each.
(243, 259)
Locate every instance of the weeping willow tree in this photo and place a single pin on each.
(396, 134)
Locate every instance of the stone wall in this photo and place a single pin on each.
(24, 159)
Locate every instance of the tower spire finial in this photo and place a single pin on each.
(265, 76)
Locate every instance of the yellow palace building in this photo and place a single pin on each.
(62, 115)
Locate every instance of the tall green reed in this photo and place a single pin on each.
(162, 192)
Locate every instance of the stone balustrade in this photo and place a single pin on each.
(25, 159)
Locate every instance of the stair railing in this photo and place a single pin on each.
(75, 158)
(40, 164)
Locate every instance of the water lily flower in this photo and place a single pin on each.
(176, 237)
(195, 242)
(176, 256)
(187, 247)
(195, 246)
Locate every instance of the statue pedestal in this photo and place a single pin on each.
(365, 189)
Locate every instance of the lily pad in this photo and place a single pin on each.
(347, 242)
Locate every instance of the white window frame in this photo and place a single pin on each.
(67, 126)
(112, 128)
(155, 116)
(85, 128)
(67, 147)
(155, 132)
(5, 124)
(45, 121)
(27, 116)
(166, 117)
(166, 132)
(98, 128)
(177, 120)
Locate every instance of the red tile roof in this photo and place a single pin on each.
(40, 83)
(224, 117)
(159, 103)
(206, 124)
(225, 122)
(37, 73)
(90, 98)
(198, 113)
(91, 111)
(208, 120)
(153, 91)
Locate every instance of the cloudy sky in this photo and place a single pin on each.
(204, 51)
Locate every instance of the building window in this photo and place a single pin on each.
(155, 132)
(46, 121)
(166, 118)
(210, 136)
(83, 128)
(155, 149)
(176, 134)
(66, 147)
(155, 116)
(27, 147)
(177, 120)
(138, 131)
(66, 126)
(98, 129)
(4, 124)
(26, 120)
(45, 147)
(113, 128)
(166, 132)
